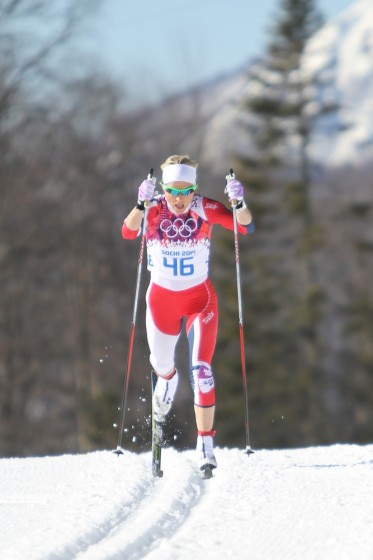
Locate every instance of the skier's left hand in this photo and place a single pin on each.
(234, 190)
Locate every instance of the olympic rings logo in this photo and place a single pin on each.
(178, 227)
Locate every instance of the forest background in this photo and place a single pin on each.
(71, 159)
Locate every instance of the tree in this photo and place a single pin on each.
(28, 69)
(285, 304)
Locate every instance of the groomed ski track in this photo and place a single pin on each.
(286, 504)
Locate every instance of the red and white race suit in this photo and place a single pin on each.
(178, 251)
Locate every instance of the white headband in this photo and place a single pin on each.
(179, 172)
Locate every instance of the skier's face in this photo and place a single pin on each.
(179, 195)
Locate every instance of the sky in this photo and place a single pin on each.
(157, 48)
(310, 504)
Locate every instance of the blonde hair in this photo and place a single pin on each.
(186, 160)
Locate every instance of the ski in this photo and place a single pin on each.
(157, 437)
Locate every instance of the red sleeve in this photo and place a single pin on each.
(128, 233)
(217, 213)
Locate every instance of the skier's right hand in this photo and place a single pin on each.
(146, 190)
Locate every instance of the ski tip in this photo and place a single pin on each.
(118, 451)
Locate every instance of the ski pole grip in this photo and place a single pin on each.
(228, 178)
(150, 178)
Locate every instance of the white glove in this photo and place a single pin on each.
(234, 189)
(146, 190)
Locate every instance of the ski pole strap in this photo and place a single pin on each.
(241, 205)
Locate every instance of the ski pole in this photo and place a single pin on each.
(119, 450)
(248, 449)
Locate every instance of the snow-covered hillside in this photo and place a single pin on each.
(342, 52)
(340, 57)
(309, 504)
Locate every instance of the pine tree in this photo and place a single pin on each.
(285, 305)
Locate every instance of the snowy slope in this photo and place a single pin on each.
(340, 57)
(342, 53)
(313, 503)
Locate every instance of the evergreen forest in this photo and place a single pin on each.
(71, 158)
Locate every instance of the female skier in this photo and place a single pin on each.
(178, 233)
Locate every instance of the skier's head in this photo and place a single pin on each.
(176, 159)
(179, 182)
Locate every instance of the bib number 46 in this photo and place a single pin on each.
(180, 267)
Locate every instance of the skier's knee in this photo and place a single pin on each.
(203, 384)
(162, 365)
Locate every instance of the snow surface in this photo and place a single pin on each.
(313, 503)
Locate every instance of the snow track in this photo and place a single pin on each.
(154, 514)
(310, 503)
